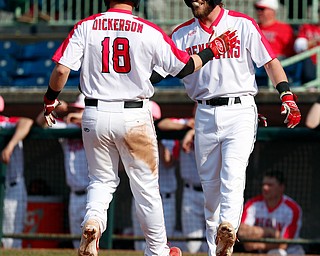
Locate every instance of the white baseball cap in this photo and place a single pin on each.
(79, 103)
(272, 4)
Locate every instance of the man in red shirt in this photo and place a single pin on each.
(308, 37)
(272, 214)
(279, 34)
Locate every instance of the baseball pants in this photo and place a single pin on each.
(111, 132)
(224, 140)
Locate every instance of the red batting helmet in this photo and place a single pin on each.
(211, 2)
(135, 2)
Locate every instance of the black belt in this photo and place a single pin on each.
(166, 195)
(127, 104)
(220, 101)
(196, 188)
(80, 192)
(12, 184)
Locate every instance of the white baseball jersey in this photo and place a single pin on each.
(112, 38)
(15, 198)
(232, 74)
(285, 217)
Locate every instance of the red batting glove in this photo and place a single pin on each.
(290, 109)
(262, 120)
(223, 43)
(48, 109)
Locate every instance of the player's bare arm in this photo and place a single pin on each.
(256, 232)
(58, 79)
(313, 116)
(187, 142)
(167, 124)
(22, 129)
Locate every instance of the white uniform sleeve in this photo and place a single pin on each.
(169, 59)
(258, 46)
(71, 51)
(250, 216)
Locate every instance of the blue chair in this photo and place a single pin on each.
(39, 50)
(8, 47)
(36, 81)
(8, 64)
(170, 82)
(5, 79)
(42, 67)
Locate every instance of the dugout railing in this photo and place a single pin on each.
(295, 151)
(296, 62)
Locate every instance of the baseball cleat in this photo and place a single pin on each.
(175, 251)
(226, 237)
(89, 244)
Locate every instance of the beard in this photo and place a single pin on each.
(202, 10)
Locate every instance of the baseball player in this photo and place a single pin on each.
(272, 214)
(15, 197)
(226, 116)
(75, 164)
(117, 53)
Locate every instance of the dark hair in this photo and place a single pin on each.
(277, 174)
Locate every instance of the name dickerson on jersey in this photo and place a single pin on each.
(117, 25)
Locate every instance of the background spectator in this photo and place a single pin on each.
(313, 115)
(308, 37)
(271, 215)
(75, 164)
(192, 207)
(15, 198)
(280, 35)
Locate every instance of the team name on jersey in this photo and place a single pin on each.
(268, 223)
(234, 53)
(117, 25)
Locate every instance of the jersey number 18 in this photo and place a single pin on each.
(119, 54)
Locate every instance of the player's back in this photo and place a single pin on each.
(119, 52)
